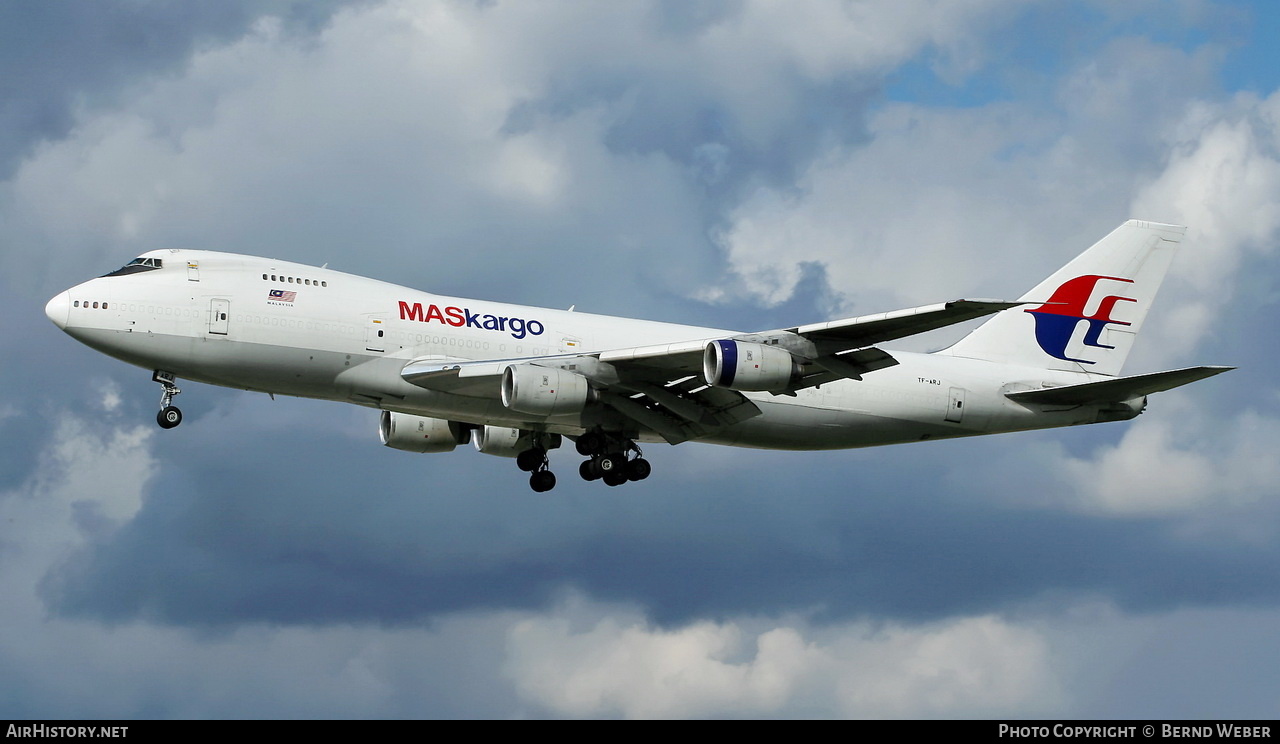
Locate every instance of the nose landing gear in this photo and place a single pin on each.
(169, 416)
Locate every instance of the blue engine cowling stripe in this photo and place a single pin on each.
(728, 362)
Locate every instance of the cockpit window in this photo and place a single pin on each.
(137, 266)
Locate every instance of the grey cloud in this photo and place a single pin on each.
(249, 537)
(64, 56)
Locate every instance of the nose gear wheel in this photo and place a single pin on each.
(169, 416)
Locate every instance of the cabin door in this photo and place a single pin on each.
(955, 406)
(219, 316)
(375, 338)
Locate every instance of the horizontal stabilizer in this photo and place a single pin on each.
(1117, 390)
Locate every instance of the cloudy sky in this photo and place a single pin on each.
(743, 164)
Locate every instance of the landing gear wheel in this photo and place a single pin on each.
(613, 458)
(542, 481)
(589, 444)
(611, 463)
(169, 417)
(531, 459)
(638, 469)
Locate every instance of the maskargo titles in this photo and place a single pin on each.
(461, 316)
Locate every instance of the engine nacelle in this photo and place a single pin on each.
(740, 365)
(503, 441)
(411, 433)
(543, 391)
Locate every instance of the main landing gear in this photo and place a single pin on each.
(613, 460)
(169, 416)
(534, 461)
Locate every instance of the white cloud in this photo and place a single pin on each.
(752, 57)
(966, 666)
(1202, 471)
(88, 482)
(622, 665)
(88, 473)
(1221, 179)
(1183, 460)
(110, 392)
(909, 217)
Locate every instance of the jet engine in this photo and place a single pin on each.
(503, 441)
(543, 391)
(410, 433)
(739, 365)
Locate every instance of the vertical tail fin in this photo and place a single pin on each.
(1085, 317)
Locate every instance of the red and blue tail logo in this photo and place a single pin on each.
(1056, 320)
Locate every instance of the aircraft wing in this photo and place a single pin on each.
(662, 388)
(663, 392)
(867, 330)
(841, 348)
(829, 351)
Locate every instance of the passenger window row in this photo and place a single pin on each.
(85, 303)
(294, 280)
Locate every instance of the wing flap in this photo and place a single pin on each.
(1117, 390)
(457, 376)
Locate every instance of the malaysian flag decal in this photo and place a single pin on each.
(281, 295)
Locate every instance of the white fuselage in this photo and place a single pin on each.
(279, 327)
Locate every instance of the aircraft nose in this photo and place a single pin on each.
(59, 309)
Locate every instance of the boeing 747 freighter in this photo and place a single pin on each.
(515, 380)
